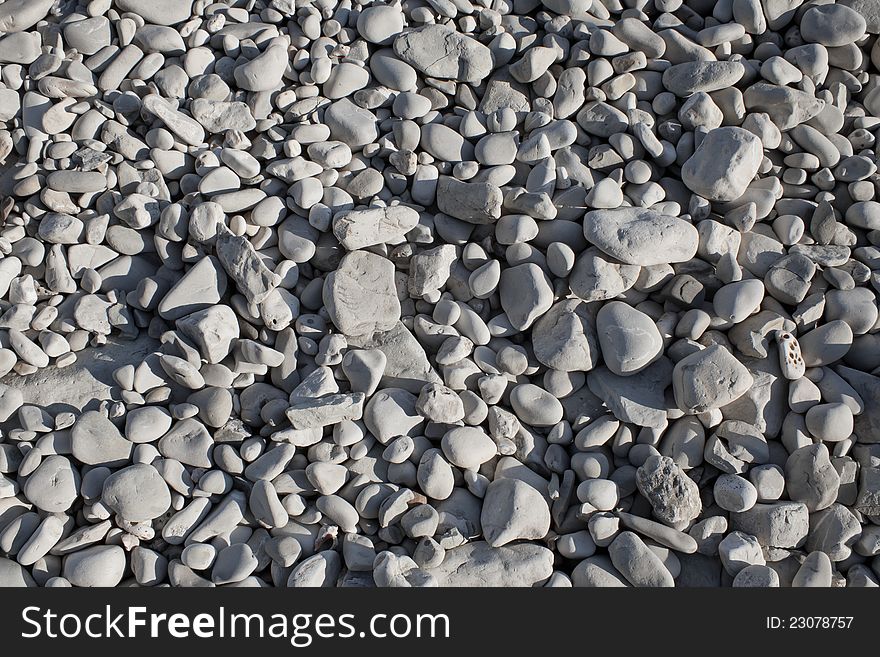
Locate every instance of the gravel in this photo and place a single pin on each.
(439, 294)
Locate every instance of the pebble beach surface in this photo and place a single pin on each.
(439, 293)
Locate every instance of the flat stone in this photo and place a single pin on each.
(691, 77)
(437, 51)
(406, 363)
(781, 524)
(358, 229)
(95, 440)
(479, 564)
(54, 485)
(360, 296)
(474, 202)
(641, 399)
(325, 410)
(639, 236)
(596, 276)
(218, 116)
(513, 510)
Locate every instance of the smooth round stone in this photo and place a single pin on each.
(597, 572)
(234, 563)
(735, 494)
(736, 301)
(146, 424)
(53, 486)
(243, 164)
(391, 412)
(826, 344)
(389, 70)
(857, 307)
(137, 493)
(420, 521)
(13, 575)
(769, 481)
(327, 478)
(409, 105)
(629, 339)
(513, 360)
(340, 512)
(345, 79)
(215, 405)
(434, 475)
(639, 236)
(535, 406)
(11, 399)
(158, 38)
(601, 494)
(96, 566)
(380, 24)
(865, 214)
(605, 194)
(351, 124)
(284, 550)
(446, 144)
(468, 447)
(88, 36)
(576, 545)
(831, 422)
(199, 556)
(756, 576)
(497, 149)
(832, 25)
(269, 212)
(320, 570)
